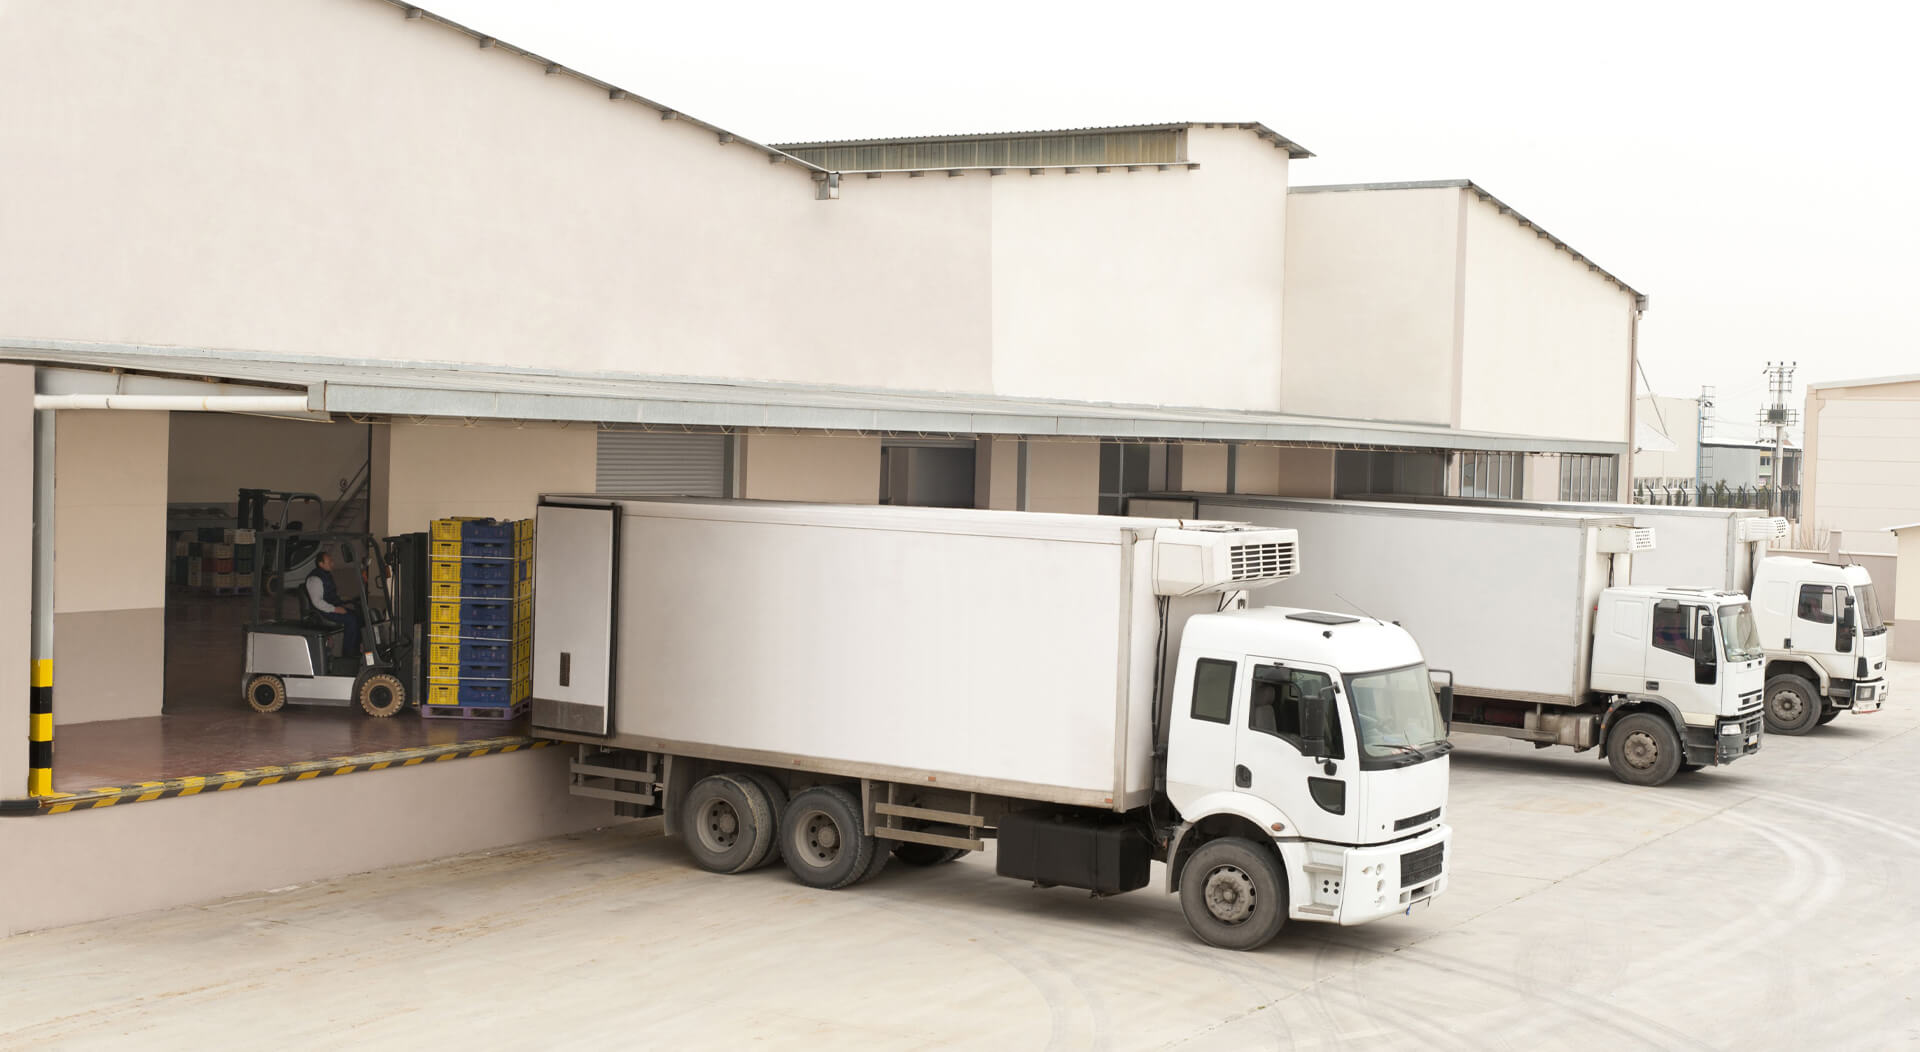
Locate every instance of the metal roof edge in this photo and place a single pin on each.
(1869, 381)
(1641, 301)
(614, 91)
(333, 387)
(1295, 151)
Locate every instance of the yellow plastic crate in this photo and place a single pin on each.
(523, 530)
(446, 570)
(443, 632)
(451, 674)
(449, 529)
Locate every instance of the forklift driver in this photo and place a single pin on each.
(326, 601)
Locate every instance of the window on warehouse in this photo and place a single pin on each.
(1589, 477)
(1495, 475)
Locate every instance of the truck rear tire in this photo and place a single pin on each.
(1644, 749)
(1791, 706)
(1234, 894)
(728, 823)
(822, 841)
(777, 800)
(925, 854)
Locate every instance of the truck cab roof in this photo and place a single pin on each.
(1777, 567)
(1347, 642)
(1665, 592)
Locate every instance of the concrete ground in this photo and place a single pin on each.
(1762, 906)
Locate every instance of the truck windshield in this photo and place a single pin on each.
(1397, 715)
(1870, 621)
(1737, 628)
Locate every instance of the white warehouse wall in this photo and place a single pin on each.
(1862, 463)
(1547, 344)
(1371, 296)
(1147, 286)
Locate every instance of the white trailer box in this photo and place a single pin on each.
(1699, 547)
(995, 652)
(1504, 599)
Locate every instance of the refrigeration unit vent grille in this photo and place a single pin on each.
(1249, 562)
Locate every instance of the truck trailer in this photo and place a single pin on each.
(1524, 608)
(832, 686)
(1819, 622)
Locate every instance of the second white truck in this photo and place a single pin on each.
(835, 686)
(1523, 608)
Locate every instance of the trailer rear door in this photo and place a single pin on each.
(575, 568)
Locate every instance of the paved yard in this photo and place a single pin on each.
(1768, 905)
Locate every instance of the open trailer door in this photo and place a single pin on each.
(575, 567)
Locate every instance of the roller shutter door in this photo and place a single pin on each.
(661, 462)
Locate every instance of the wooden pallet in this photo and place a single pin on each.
(474, 712)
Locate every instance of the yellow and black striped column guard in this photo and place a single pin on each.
(52, 803)
(40, 730)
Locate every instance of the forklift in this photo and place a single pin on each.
(298, 660)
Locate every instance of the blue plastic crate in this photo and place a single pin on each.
(479, 571)
(486, 612)
(486, 530)
(463, 633)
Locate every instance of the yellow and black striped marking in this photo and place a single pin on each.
(40, 730)
(52, 803)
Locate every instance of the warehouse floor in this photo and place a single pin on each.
(207, 727)
(1766, 905)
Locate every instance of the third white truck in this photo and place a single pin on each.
(834, 686)
(1532, 613)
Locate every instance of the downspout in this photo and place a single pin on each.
(40, 705)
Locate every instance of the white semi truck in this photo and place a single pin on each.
(1819, 622)
(1522, 606)
(831, 686)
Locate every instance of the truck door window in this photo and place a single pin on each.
(1816, 604)
(1213, 690)
(1277, 693)
(1672, 631)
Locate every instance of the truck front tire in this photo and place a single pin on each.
(1644, 749)
(822, 840)
(1791, 706)
(1828, 715)
(1234, 894)
(728, 824)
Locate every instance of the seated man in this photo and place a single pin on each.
(326, 601)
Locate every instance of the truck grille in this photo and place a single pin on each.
(1418, 867)
(1750, 702)
(1413, 820)
(1254, 561)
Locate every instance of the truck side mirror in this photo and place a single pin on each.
(1446, 707)
(1316, 720)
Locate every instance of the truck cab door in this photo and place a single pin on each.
(576, 582)
(1679, 634)
(1814, 614)
(1318, 788)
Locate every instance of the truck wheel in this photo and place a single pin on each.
(380, 694)
(878, 863)
(728, 822)
(1828, 715)
(1644, 749)
(821, 838)
(1791, 707)
(267, 693)
(777, 802)
(1234, 894)
(925, 854)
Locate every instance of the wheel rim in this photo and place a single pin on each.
(1230, 894)
(381, 698)
(817, 840)
(264, 695)
(1788, 706)
(719, 826)
(1640, 750)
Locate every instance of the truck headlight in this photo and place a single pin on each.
(1729, 728)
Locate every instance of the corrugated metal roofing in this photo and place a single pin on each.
(1145, 131)
(357, 387)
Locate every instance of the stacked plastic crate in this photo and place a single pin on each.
(479, 620)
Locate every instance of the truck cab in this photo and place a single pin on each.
(1336, 751)
(1692, 655)
(1826, 642)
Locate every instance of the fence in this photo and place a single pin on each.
(1719, 495)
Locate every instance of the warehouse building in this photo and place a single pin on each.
(1862, 474)
(350, 249)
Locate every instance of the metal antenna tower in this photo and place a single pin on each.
(1779, 417)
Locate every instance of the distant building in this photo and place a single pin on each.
(1748, 464)
(1666, 440)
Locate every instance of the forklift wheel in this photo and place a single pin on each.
(266, 693)
(381, 694)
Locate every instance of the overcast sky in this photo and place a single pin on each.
(1748, 170)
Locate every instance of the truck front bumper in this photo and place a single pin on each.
(1730, 738)
(1354, 885)
(1868, 695)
